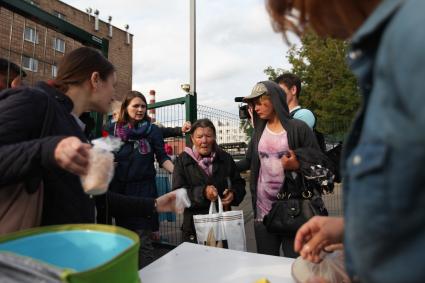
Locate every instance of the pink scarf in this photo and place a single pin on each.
(205, 162)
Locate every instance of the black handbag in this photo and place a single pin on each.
(292, 210)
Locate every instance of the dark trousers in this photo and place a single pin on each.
(269, 244)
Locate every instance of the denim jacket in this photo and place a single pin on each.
(384, 179)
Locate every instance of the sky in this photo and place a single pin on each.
(235, 43)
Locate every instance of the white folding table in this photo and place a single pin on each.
(191, 263)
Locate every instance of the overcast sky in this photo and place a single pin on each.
(235, 43)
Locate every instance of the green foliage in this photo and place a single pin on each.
(273, 73)
(329, 88)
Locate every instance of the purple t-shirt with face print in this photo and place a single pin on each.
(271, 148)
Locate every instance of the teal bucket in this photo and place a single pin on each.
(86, 253)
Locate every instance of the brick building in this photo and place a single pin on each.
(37, 34)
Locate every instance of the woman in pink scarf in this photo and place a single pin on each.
(206, 171)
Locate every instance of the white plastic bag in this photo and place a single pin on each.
(222, 229)
(331, 269)
(182, 200)
(101, 165)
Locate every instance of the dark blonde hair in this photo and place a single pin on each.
(260, 98)
(334, 18)
(77, 66)
(123, 117)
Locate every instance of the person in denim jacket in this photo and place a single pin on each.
(384, 185)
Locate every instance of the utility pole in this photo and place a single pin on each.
(191, 107)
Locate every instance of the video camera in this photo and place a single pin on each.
(243, 108)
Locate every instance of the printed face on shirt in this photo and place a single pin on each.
(136, 109)
(271, 164)
(203, 139)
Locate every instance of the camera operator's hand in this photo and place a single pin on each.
(251, 115)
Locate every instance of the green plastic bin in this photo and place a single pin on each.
(80, 253)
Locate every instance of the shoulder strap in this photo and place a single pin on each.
(315, 120)
(292, 114)
(314, 115)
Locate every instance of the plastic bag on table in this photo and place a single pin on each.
(331, 269)
(101, 165)
(182, 200)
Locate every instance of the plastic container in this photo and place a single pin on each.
(101, 165)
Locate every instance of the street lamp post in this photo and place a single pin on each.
(191, 109)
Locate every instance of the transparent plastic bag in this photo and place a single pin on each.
(331, 269)
(101, 165)
(182, 200)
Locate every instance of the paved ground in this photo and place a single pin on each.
(248, 215)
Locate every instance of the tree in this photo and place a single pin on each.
(273, 73)
(329, 88)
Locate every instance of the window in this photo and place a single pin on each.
(59, 45)
(30, 35)
(59, 15)
(54, 71)
(29, 63)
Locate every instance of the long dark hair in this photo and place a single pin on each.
(77, 66)
(123, 116)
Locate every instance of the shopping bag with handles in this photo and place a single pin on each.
(221, 229)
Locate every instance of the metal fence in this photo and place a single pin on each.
(170, 223)
(231, 138)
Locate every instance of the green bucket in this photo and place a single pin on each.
(79, 253)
